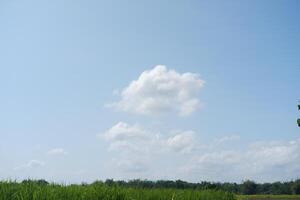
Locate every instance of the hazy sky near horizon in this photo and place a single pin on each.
(192, 90)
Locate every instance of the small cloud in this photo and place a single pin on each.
(182, 142)
(121, 145)
(123, 131)
(31, 164)
(57, 151)
(227, 139)
(159, 91)
(130, 166)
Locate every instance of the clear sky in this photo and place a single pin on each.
(216, 85)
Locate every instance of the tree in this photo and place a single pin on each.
(40, 182)
(298, 120)
(296, 187)
(249, 187)
(110, 182)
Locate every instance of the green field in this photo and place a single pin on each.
(99, 191)
(34, 191)
(268, 197)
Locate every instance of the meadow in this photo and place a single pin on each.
(42, 190)
(35, 191)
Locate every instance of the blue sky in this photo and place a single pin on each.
(64, 67)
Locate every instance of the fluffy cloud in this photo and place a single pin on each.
(31, 164)
(228, 158)
(229, 138)
(264, 161)
(182, 142)
(274, 155)
(57, 151)
(160, 90)
(138, 148)
(123, 136)
(130, 166)
(122, 131)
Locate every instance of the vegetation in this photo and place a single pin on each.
(40, 190)
(268, 197)
(298, 120)
(247, 187)
(148, 190)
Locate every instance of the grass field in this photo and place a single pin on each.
(100, 191)
(268, 197)
(33, 191)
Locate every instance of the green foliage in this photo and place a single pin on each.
(145, 190)
(298, 120)
(33, 190)
(268, 197)
(38, 182)
(249, 187)
(296, 187)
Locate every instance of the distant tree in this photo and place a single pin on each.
(84, 184)
(97, 182)
(109, 182)
(121, 183)
(249, 187)
(180, 184)
(230, 187)
(264, 188)
(286, 188)
(40, 182)
(296, 187)
(298, 120)
(280, 188)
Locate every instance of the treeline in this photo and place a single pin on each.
(247, 187)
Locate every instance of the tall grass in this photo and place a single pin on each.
(34, 191)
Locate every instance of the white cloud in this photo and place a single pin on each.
(35, 163)
(134, 138)
(130, 166)
(57, 151)
(225, 139)
(274, 155)
(160, 90)
(225, 159)
(128, 139)
(264, 161)
(123, 131)
(138, 148)
(182, 142)
(31, 164)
